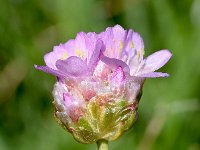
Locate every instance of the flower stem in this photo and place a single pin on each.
(102, 144)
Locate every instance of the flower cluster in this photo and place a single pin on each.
(99, 81)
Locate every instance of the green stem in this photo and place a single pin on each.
(102, 145)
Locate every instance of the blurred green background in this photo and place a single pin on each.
(169, 112)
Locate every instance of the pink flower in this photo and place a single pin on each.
(101, 72)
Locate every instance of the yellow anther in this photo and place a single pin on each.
(121, 45)
(79, 53)
(64, 56)
(138, 55)
(131, 44)
(142, 51)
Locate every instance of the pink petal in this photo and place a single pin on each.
(155, 61)
(118, 75)
(73, 66)
(90, 39)
(80, 46)
(51, 71)
(96, 55)
(85, 44)
(134, 46)
(113, 39)
(63, 51)
(115, 63)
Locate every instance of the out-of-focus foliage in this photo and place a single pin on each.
(169, 112)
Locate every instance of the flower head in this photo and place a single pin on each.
(100, 79)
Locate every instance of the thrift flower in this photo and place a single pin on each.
(99, 82)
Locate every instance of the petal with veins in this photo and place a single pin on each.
(155, 61)
(74, 66)
(115, 63)
(46, 69)
(118, 76)
(63, 51)
(113, 39)
(134, 46)
(96, 55)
